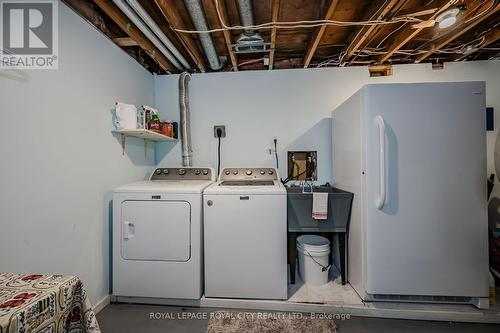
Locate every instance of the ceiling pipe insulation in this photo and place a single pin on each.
(162, 46)
(195, 9)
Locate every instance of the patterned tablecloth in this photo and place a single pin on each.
(32, 303)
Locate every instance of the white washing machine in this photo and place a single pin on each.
(245, 233)
(157, 235)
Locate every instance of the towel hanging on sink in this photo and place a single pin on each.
(320, 206)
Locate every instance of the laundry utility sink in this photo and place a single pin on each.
(299, 209)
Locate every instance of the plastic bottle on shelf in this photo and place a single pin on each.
(155, 124)
(141, 118)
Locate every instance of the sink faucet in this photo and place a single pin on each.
(309, 183)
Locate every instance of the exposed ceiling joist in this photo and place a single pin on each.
(376, 12)
(303, 37)
(408, 34)
(125, 42)
(169, 11)
(313, 44)
(227, 34)
(135, 34)
(274, 17)
(463, 28)
(489, 39)
(417, 11)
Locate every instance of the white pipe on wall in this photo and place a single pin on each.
(124, 7)
(136, 6)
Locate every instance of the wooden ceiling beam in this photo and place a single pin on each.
(169, 11)
(375, 13)
(316, 38)
(135, 34)
(417, 11)
(463, 28)
(274, 17)
(125, 41)
(408, 34)
(489, 39)
(227, 34)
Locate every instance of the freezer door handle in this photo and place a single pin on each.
(380, 201)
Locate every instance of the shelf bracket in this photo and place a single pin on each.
(145, 148)
(123, 143)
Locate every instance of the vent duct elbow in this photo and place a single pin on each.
(185, 123)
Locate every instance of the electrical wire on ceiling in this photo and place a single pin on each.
(460, 49)
(390, 34)
(484, 12)
(491, 7)
(451, 3)
(298, 24)
(382, 6)
(463, 48)
(253, 61)
(336, 60)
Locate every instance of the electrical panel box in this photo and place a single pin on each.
(302, 165)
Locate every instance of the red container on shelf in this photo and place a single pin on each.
(168, 129)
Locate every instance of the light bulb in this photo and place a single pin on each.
(447, 22)
(447, 18)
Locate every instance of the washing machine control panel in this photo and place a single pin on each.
(182, 174)
(248, 174)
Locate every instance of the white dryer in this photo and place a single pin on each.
(245, 232)
(157, 235)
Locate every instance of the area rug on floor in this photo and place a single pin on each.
(254, 322)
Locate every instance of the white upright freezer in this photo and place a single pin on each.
(414, 155)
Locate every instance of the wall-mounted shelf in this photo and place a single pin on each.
(147, 135)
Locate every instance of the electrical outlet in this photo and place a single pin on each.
(223, 129)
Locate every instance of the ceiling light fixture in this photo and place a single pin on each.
(447, 18)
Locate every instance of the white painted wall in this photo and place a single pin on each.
(59, 159)
(60, 162)
(292, 105)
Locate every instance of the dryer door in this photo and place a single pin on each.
(155, 230)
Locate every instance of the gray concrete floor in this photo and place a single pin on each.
(125, 318)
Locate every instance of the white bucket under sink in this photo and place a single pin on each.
(314, 263)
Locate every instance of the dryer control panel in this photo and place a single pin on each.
(183, 174)
(248, 174)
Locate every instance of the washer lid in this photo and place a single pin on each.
(165, 186)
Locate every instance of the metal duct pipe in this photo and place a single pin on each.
(185, 123)
(195, 9)
(124, 7)
(136, 6)
(246, 15)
